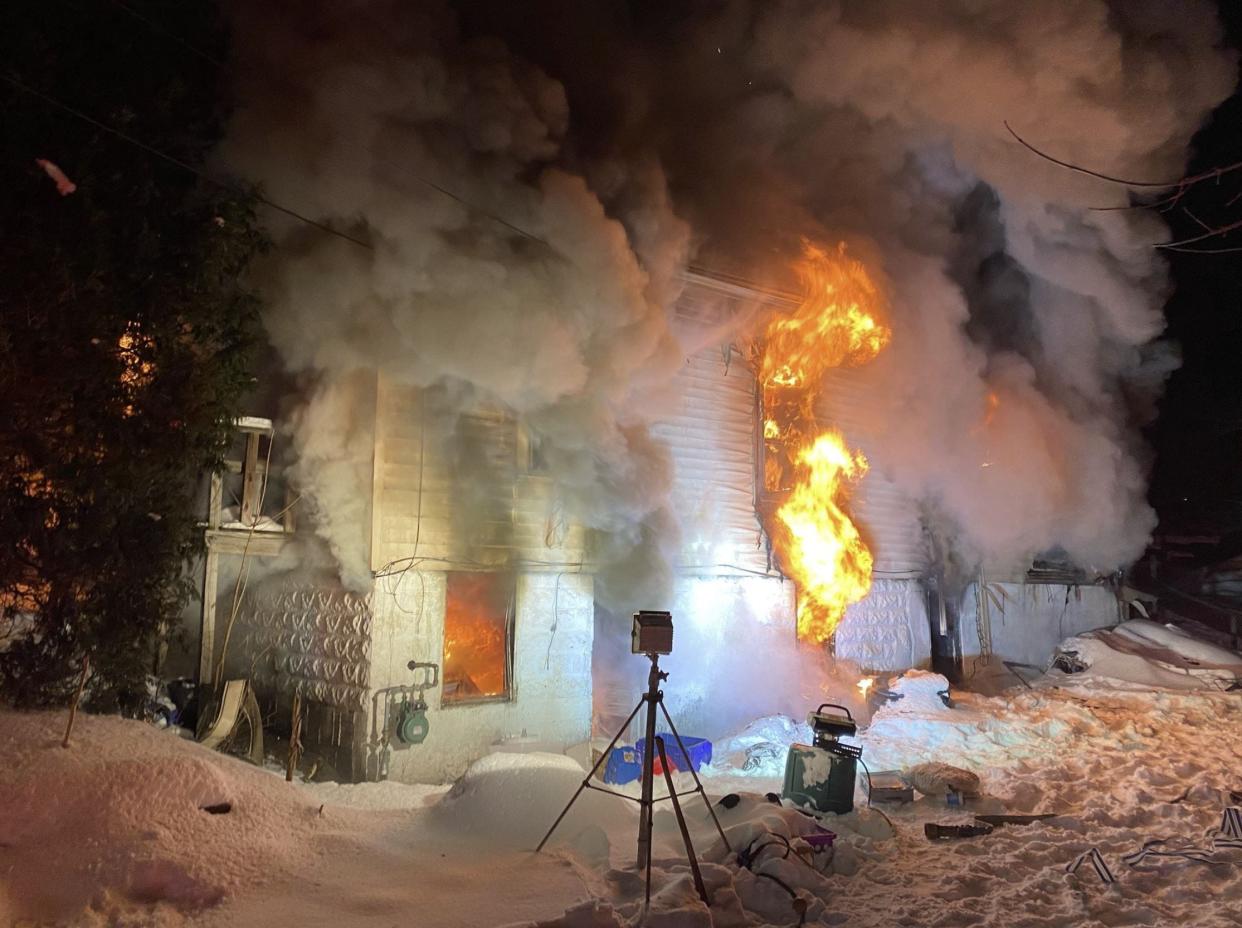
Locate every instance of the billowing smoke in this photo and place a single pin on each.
(485, 264)
(1026, 324)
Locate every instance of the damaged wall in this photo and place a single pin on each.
(550, 704)
(1024, 622)
(294, 636)
(888, 629)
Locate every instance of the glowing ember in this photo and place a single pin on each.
(837, 324)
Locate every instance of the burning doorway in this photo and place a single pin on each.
(478, 637)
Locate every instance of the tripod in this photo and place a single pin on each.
(653, 745)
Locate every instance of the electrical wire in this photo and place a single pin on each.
(157, 28)
(203, 175)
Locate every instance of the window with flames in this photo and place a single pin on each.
(478, 637)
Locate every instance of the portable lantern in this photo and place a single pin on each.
(822, 776)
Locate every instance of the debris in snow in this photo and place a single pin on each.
(937, 832)
(64, 185)
(935, 779)
(1149, 654)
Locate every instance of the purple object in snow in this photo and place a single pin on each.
(820, 839)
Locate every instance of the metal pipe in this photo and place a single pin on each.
(698, 784)
(652, 698)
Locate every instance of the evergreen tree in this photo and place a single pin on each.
(125, 335)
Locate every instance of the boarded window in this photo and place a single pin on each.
(478, 635)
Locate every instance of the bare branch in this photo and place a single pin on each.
(1210, 233)
(1182, 182)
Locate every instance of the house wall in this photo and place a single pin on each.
(418, 494)
(427, 521)
(711, 426)
(709, 423)
(1026, 621)
(887, 630)
(550, 708)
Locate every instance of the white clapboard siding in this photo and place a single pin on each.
(888, 519)
(517, 522)
(710, 429)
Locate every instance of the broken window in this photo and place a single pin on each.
(783, 431)
(478, 636)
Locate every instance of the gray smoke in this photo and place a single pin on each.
(882, 123)
(612, 136)
(495, 273)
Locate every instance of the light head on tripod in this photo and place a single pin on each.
(652, 633)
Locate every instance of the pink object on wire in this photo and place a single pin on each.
(63, 184)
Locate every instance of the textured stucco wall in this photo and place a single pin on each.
(1028, 620)
(308, 639)
(888, 629)
(551, 688)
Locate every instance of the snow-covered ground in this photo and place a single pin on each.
(111, 831)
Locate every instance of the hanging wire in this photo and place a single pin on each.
(152, 150)
(161, 30)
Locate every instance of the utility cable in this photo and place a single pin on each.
(161, 30)
(152, 150)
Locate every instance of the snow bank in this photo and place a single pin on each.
(513, 799)
(118, 817)
(1151, 655)
(112, 832)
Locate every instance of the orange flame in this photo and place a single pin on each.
(475, 636)
(838, 323)
(835, 324)
(826, 555)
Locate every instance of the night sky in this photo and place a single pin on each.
(1197, 480)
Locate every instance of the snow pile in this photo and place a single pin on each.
(112, 832)
(1149, 654)
(384, 795)
(514, 798)
(118, 818)
(759, 749)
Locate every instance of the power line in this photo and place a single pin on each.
(25, 88)
(152, 24)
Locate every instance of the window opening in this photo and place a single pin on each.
(478, 636)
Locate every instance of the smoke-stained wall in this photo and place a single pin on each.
(549, 706)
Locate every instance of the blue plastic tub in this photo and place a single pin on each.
(700, 750)
(624, 765)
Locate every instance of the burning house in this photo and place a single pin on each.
(482, 630)
(515, 416)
